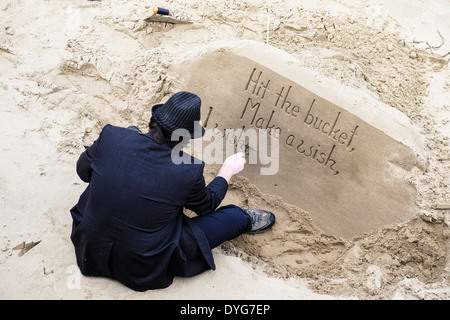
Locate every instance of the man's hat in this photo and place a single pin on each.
(181, 111)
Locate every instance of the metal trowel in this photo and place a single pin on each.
(164, 16)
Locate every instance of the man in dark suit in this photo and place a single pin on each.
(129, 224)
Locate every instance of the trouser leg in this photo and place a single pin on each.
(224, 224)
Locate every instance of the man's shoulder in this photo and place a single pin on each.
(109, 128)
(117, 133)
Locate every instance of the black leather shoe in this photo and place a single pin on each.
(261, 220)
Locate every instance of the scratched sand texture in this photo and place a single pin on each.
(69, 68)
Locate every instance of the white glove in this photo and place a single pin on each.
(232, 165)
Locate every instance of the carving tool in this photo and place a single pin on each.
(164, 16)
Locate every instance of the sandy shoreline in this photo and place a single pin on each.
(66, 70)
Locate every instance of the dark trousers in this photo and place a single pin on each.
(224, 224)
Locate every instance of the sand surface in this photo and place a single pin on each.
(68, 69)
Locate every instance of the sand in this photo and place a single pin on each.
(68, 69)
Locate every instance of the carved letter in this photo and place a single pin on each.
(309, 115)
(290, 140)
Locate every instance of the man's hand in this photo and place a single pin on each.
(232, 165)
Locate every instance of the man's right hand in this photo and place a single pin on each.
(232, 165)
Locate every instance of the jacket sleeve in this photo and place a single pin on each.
(85, 162)
(205, 199)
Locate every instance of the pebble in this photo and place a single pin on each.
(10, 31)
(413, 54)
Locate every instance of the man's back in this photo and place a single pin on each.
(132, 209)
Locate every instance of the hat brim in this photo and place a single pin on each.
(199, 131)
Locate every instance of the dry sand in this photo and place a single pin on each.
(67, 69)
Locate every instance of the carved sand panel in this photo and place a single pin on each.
(342, 156)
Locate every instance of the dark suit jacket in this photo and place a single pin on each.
(129, 224)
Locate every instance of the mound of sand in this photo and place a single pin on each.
(68, 69)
